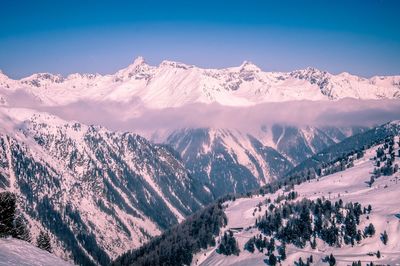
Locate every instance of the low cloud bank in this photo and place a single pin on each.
(347, 112)
(133, 116)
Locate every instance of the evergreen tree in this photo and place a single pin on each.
(378, 254)
(7, 213)
(358, 236)
(350, 228)
(228, 245)
(21, 230)
(43, 241)
(250, 245)
(384, 237)
(331, 260)
(271, 246)
(313, 243)
(272, 260)
(369, 230)
(282, 251)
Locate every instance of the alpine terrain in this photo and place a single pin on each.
(126, 168)
(343, 211)
(97, 192)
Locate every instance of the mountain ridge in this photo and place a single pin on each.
(97, 192)
(174, 84)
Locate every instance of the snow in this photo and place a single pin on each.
(156, 187)
(11, 173)
(21, 253)
(350, 186)
(174, 84)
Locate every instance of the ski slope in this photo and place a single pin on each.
(14, 252)
(350, 186)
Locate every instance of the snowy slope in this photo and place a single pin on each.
(350, 186)
(98, 192)
(173, 84)
(14, 252)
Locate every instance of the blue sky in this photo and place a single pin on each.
(360, 37)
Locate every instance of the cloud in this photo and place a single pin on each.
(133, 116)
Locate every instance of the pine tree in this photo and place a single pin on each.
(228, 245)
(331, 260)
(385, 237)
(378, 254)
(271, 246)
(350, 228)
(21, 230)
(313, 243)
(369, 230)
(282, 251)
(7, 213)
(43, 241)
(250, 245)
(272, 260)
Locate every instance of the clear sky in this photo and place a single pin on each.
(360, 37)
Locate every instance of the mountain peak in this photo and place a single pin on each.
(138, 65)
(139, 61)
(312, 70)
(175, 64)
(247, 65)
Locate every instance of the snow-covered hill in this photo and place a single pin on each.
(351, 185)
(14, 252)
(173, 84)
(98, 192)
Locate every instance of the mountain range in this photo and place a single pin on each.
(174, 84)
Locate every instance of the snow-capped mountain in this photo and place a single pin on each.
(226, 161)
(97, 192)
(232, 161)
(173, 84)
